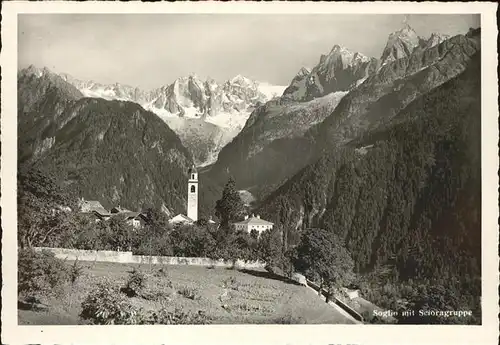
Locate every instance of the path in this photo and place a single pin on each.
(339, 309)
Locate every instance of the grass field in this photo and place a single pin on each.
(227, 296)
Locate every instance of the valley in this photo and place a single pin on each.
(372, 162)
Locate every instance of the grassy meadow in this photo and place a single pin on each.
(225, 296)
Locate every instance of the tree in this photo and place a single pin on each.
(88, 232)
(154, 237)
(321, 255)
(192, 241)
(40, 274)
(272, 251)
(120, 233)
(42, 208)
(157, 221)
(77, 230)
(241, 246)
(270, 248)
(201, 222)
(229, 207)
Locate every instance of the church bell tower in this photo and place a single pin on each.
(192, 207)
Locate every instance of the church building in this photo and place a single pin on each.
(192, 200)
(192, 207)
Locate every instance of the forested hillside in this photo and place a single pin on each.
(407, 195)
(283, 137)
(112, 151)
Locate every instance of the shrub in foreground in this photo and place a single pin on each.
(135, 284)
(105, 305)
(40, 274)
(177, 317)
(189, 292)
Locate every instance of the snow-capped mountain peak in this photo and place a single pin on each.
(400, 43)
(241, 80)
(223, 107)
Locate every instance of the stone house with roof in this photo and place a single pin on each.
(94, 207)
(254, 223)
(180, 219)
(136, 219)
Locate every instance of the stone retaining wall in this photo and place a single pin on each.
(89, 255)
(129, 258)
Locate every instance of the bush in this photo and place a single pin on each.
(105, 305)
(176, 317)
(75, 272)
(135, 284)
(40, 274)
(189, 292)
(161, 272)
(230, 283)
(156, 295)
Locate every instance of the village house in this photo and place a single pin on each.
(254, 223)
(118, 209)
(180, 219)
(135, 219)
(94, 208)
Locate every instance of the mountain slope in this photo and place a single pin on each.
(42, 99)
(262, 150)
(112, 151)
(284, 136)
(408, 194)
(382, 95)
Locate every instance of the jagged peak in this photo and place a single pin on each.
(240, 79)
(361, 57)
(439, 35)
(404, 31)
(400, 43)
(37, 71)
(347, 56)
(193, 75)
(340, 49)
(304, 71)
(406, 34)
(435, 39)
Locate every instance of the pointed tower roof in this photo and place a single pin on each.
(192, 169)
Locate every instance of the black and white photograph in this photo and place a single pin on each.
(250, 169)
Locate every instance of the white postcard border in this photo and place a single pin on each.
(487, 333)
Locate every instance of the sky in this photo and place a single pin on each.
(152, 50)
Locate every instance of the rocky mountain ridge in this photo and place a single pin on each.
(265, 154)
(193, 107)
(342, 69)
(112, 151)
